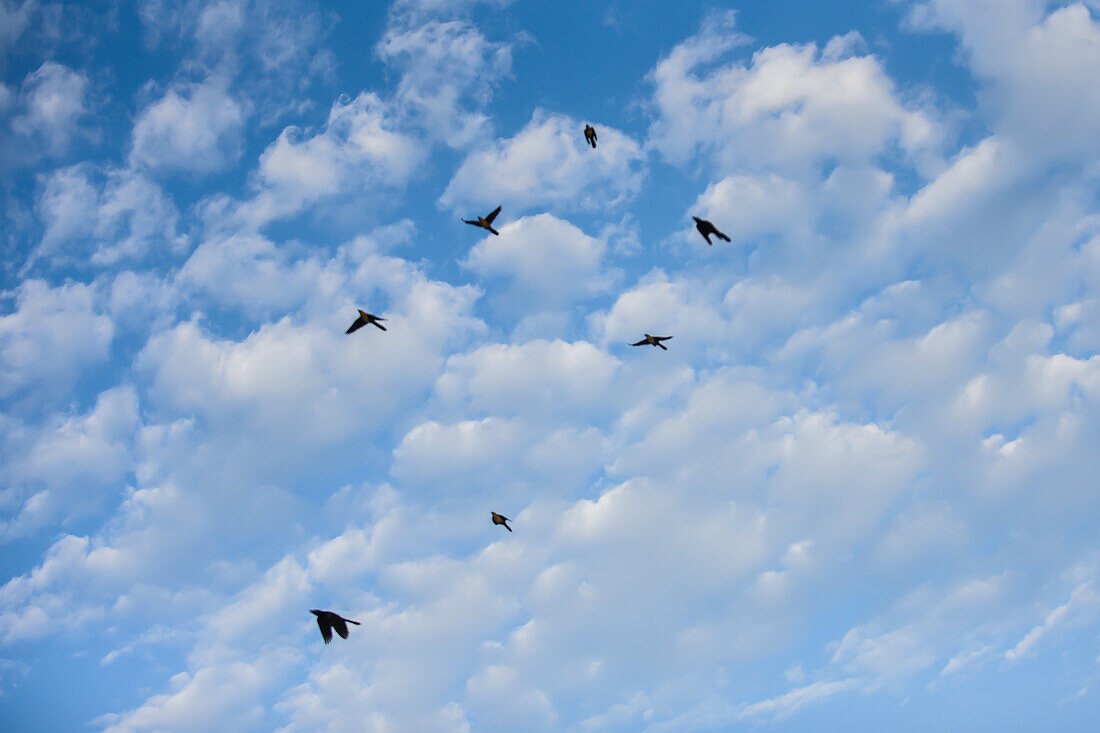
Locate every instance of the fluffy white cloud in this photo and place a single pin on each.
(547, 262)
(125, 217)
(194, 127)
(548, 163)
(1039, 67)
(448, 72)
(50, 339)
(360, 148)
(790, 108)
(539, 378)
(54, 99)
(64, 468)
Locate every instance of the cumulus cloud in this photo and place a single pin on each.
(360, 148)
(1038, 67)
(547, 262)
(123, 217)
(449, 70)
(54, 99)
(51, 338)
(65, 467)
(547, 163)
(790, 107)
(196, 128)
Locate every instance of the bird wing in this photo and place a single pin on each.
(341, 627)
(472, 222)
(359, 323)
(326, 628)
(490, 217)
(643, 342)
(662, 338)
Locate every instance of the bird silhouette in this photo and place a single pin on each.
(706, 229)
(653, 340)
(590, 135)
(363, 319)
(501, 519)
(328, 621)
(485, 222)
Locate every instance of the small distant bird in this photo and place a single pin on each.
(706, 229)
(363, 319)
(328, 621)
(485, 222)
(654, 341)
(501, 519)
(590, 134)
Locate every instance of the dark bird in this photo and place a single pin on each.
(501, 519)
(485, 222)
(706, 229)
(654, 341)
(363, 319)
(328, 621)
(590, 134)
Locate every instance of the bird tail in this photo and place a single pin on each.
(662, 346)
(494, 231)
(353, 622)
(507, 528)
(722, 236)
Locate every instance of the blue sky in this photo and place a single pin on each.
(856, 493)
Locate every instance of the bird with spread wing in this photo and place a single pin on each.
(485, 222)
(653, 341)
(363, 319)
(328, 621)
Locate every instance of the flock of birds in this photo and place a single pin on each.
(329, 621)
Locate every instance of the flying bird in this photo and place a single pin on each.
(654, 341)
(485, 222)
(328, 621)
(706, 229)
(501, 519)
(590, 134)
(363, 319)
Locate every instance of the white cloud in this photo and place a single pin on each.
(13, 21)
(125, 217)
(359, 149)
(547, 262)
(69, 463)
(547, 163)
(195, 128)
(449, 70)
(1084, 601)
(50, 340)
(790, 108)
(1039, 67)
(540, 378)
(213, 698)
(54, 100)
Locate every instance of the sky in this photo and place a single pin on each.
(858, 492)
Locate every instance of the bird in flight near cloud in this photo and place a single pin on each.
(590, 135)
(363, 319)
(501, 519)
(706, 229)
(653, 340)
(485, 222)
(328, 621)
